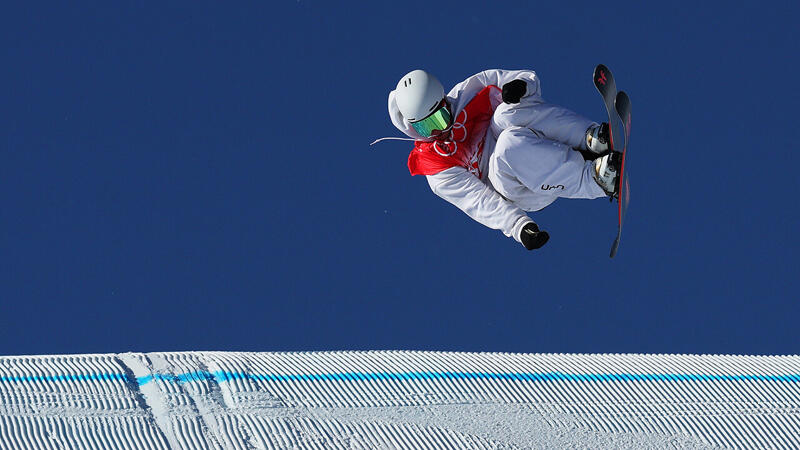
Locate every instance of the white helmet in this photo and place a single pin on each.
(418, 94)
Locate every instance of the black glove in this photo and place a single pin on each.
(532, 238)
(514, 90)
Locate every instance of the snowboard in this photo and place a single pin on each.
(618, 107)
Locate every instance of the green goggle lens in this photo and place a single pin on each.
(439, 120)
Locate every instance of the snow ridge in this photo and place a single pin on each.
(398, 399)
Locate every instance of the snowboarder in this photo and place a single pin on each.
(495, 149)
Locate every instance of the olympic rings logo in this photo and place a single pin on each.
(436, 148)
(459, 125)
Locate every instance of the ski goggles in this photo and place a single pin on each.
(438, 120)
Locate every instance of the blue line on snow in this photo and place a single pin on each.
(221, 376)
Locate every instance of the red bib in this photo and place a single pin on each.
(465, 146)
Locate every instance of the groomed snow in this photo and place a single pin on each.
(398, 400)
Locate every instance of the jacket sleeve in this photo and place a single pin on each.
(479, 201)
(468, 88)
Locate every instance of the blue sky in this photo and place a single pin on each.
(197, 176)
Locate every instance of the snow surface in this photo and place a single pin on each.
(398, 400)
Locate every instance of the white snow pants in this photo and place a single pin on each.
(532, 171)
(534, 159)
